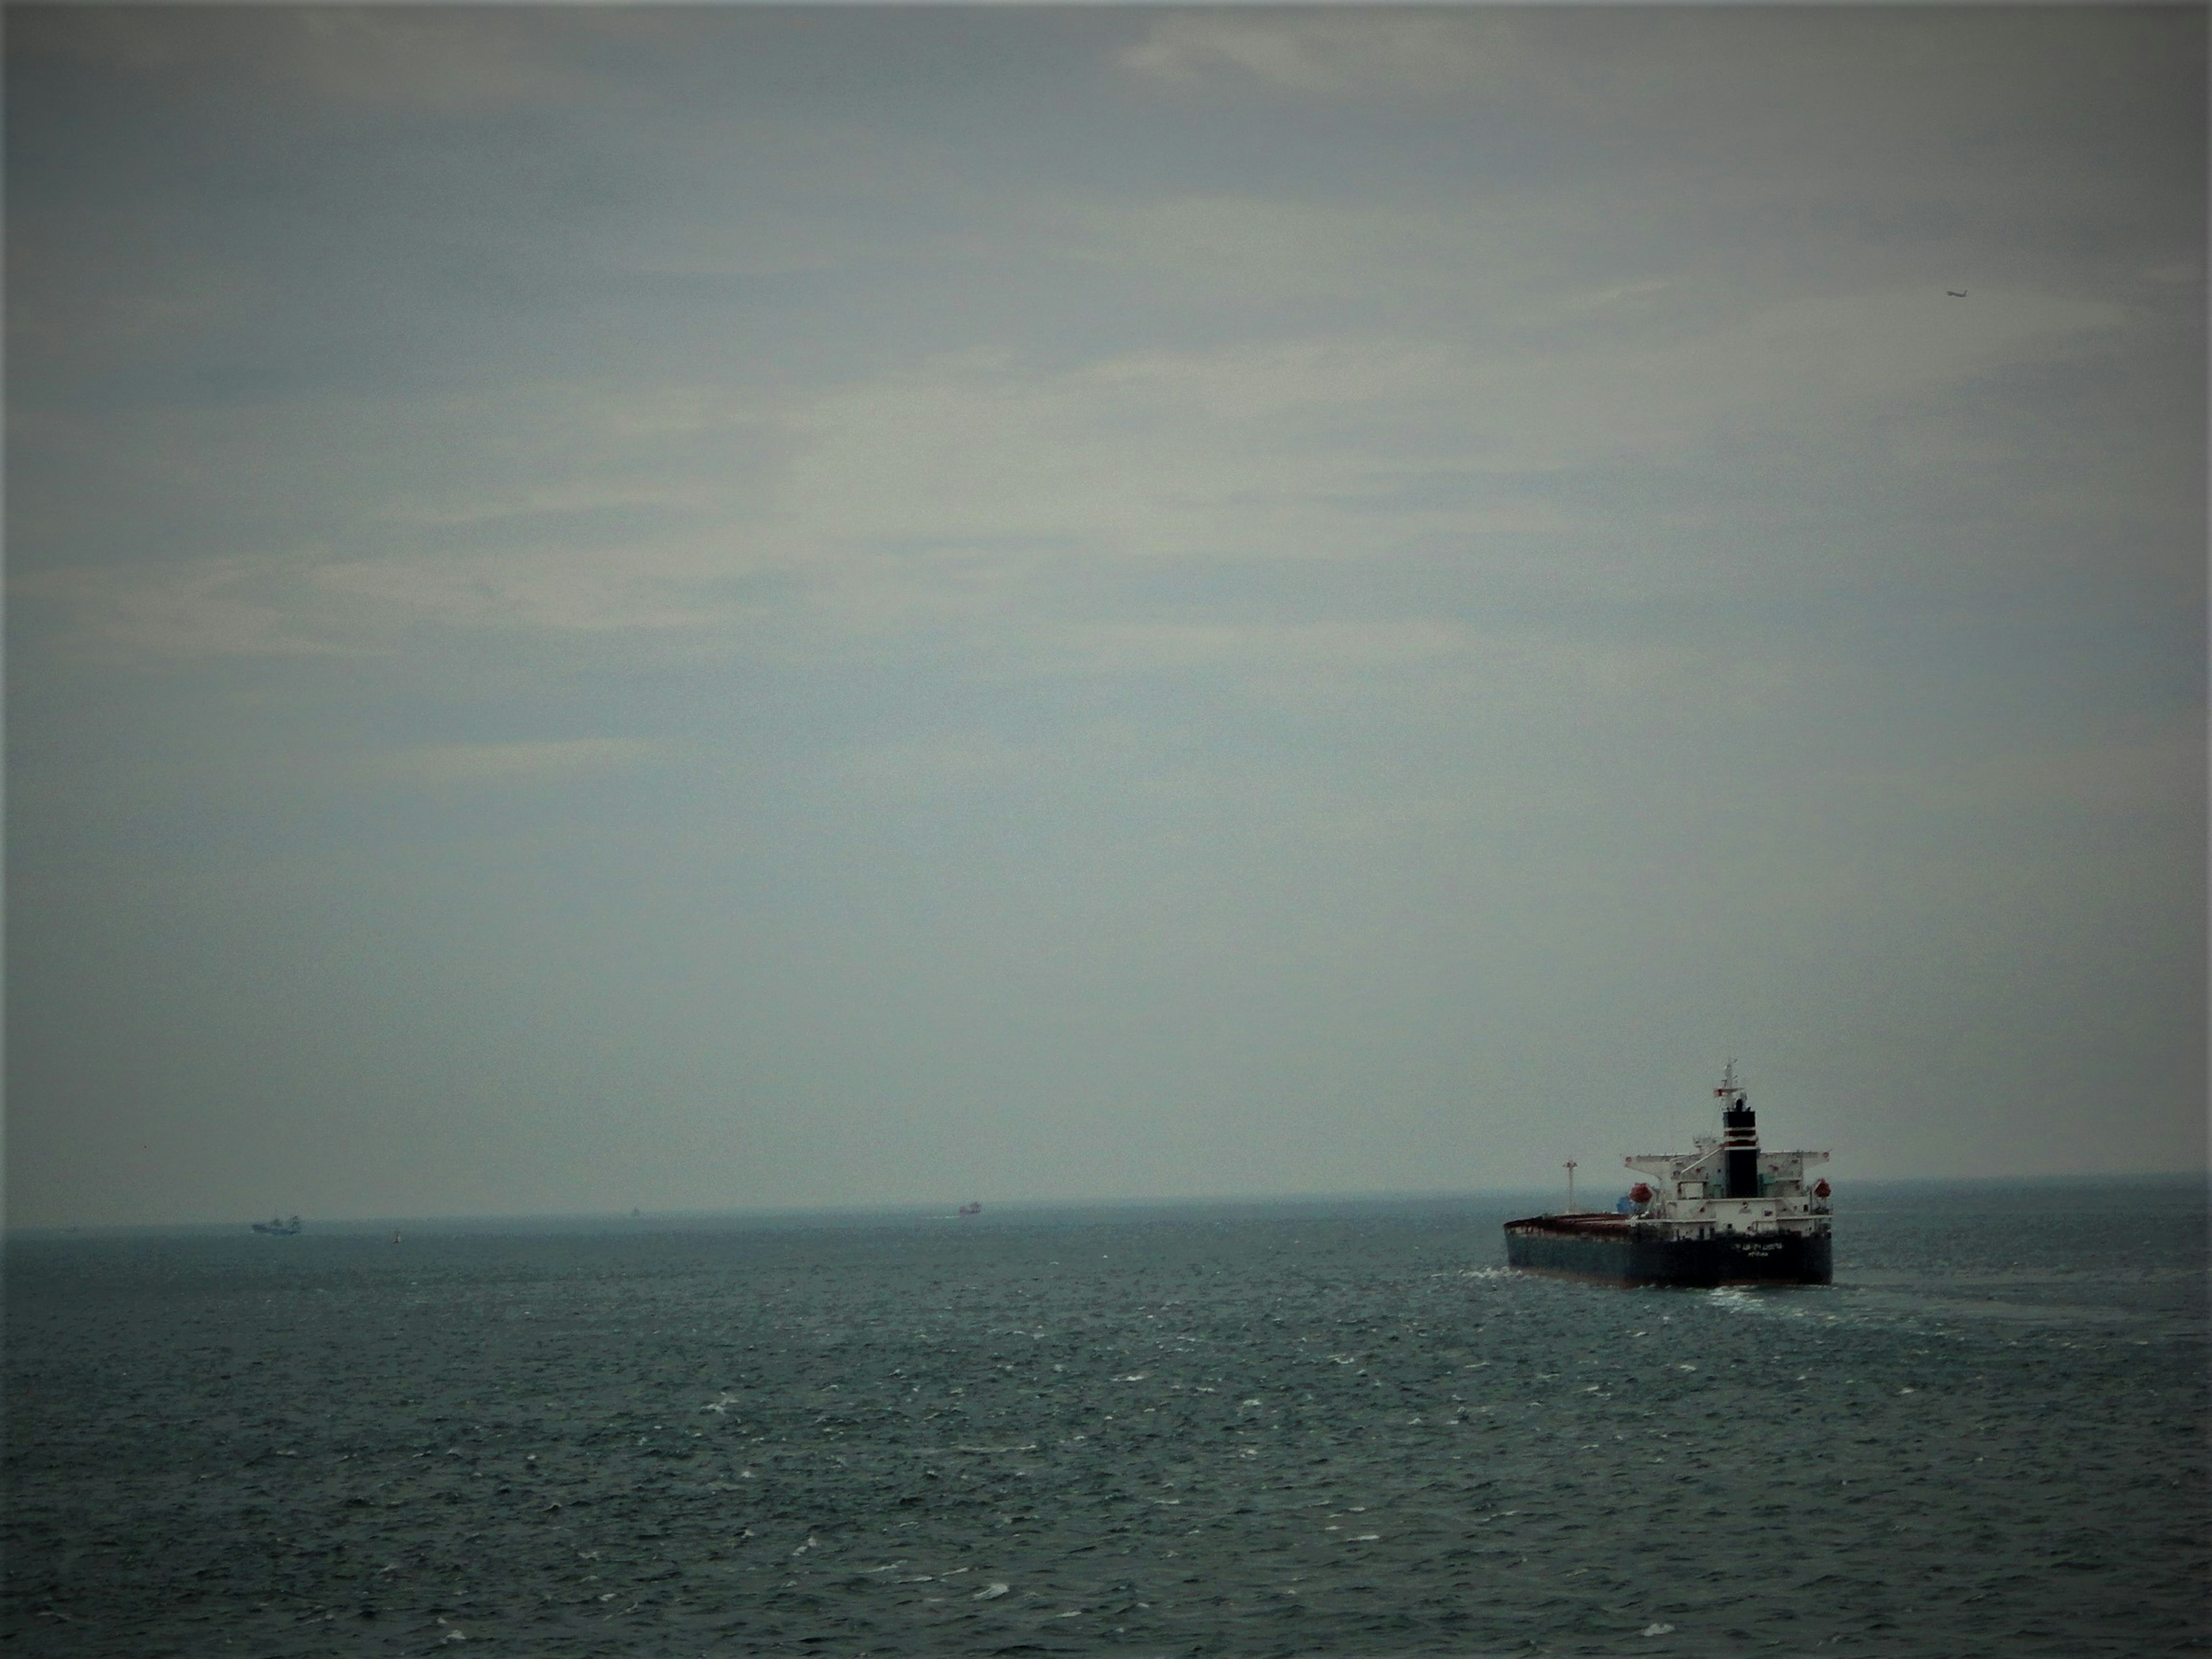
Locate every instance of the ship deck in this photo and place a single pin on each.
(1595, 1222)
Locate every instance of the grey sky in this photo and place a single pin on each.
(723, 607)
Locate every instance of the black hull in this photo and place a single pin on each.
(1610, 1252)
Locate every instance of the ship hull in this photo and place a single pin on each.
(1577, 1247)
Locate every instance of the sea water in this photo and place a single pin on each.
(1300, 1428)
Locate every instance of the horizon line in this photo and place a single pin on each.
(888, 1208)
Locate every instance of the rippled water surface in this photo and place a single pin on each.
(1303, 1430)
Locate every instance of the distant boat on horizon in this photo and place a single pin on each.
(275, 1228)
(971, 1207)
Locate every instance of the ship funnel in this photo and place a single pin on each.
(1739, 1137)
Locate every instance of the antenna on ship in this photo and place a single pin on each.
(1571, 1186)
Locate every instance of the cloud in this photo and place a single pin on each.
(922, 767)
(1333, 54)
(543, 590)
(160, 616)
(346, 58)
(1302, 650)
(1810, 365)
(547, 761)
(965, 487)
(1265, 250)
(440, 63)
(1879, 346)
(1153, 453)
(2158, 779)
(112, 293)
(1266, 449)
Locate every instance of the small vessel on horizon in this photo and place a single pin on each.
(276, 1228)
(1725, 1213)
(971, 1207)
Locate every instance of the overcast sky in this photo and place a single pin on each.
(714, 608)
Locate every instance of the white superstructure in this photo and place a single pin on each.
(1728, 1185)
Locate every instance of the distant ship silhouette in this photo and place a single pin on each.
(277, 1229)
(971, 1207)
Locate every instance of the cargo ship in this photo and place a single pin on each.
(1725, 1213)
